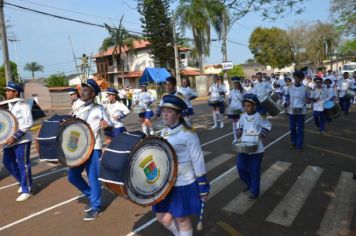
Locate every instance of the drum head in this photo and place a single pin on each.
(151, 171)
(76, 142)
(8, 125)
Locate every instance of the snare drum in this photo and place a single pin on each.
(47, 144)
(8, 125)
(140, 169)
(233, 113)
(75, 142)
(213, 101)
(270, 105)
(245, 147)
(349, 94)
(139, 109)
(332, 109)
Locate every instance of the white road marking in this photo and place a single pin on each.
(218, 161)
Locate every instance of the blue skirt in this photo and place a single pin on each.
(181, 201)
(116, 131)
(218, 104)
(146, 114)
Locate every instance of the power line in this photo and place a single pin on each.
(237, 43)
(79, 12)
(66, 18)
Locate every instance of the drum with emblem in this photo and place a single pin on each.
(270, 105)
(141, 169)
(75, 142)
(8, 125)
(46, 141)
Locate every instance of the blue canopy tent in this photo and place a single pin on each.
(154, 75)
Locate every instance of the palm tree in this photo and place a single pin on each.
(33, 67)
(199, 16)
(119, 38)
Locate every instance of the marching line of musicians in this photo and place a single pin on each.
(249, 125)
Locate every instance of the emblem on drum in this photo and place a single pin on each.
(150, 169)
(2, 126)
(72, 145)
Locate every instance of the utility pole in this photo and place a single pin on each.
(176, 54)
(5, 50)
(224, 44)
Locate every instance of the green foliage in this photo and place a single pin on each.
(348, 49)
(156, 22)
(271, 47)
(344, 14)
(15, 77)
(237, 70)
(57, 80)
(33, 67)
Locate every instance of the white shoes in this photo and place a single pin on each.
(23, 197)
(19, 190)
(214, 127)
(234, 141)
(221, 124)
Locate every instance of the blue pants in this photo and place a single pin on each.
(116, 131)
(319, 120)
(296, 126)
(92, 190)
(249, 169)
(17, 162)
(345, 104)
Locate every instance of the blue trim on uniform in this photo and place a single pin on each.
(203, 184)
(190, 111)
(92, 190)
(181, 201)
(116, 131)
(18, 135)
(146, 114)
(249, 169)
(296, 126)
(17, 161)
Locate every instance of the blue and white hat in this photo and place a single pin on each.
(236, 79)
(93, 85)
(111, 91)
(251, 98)
(15, 87)
(174, 101)
(72, 91)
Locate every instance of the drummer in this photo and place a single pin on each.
(75, 98)
(318, 97)
(96, 117)
(145, 99)
(235, 102)
(261, 89)
(342, 86)
(17, 148)
(191, 186)
(295, 99)
(117, 112)
(252, 127)
(217, 92)
(189, 95)
(330, 95)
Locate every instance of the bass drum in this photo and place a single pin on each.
(75, 142)
(141, 169)
(271, 106)
(8, 125)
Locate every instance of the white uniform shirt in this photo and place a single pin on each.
(145, 99)
(251, 126)
(247, 88)
(330, 93)
(188, 93)
(93, 114)
(215, 91)
(235, 99)
(320, 97)
(23, 115)
(297, 98)
(261, 89)
(189, 153)
(115, 111)
(352, 84)
(342, 86)
(77, 104)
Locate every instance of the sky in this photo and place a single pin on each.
(48, 40)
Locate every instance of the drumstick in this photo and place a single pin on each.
(200, 223)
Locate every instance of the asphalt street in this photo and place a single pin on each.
(302, 193)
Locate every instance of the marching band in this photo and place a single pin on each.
(247, 107)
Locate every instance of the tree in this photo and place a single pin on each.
(348, 49)
(298, 37)
(344, 13)
(271, 47)
(157, 26)
(237, 70)
(57, 80)
(14, 76)
(33, 67)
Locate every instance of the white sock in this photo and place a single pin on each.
(218, 116)
(152, 132)
(144, 129)
(234, 130)
(173, 228)
(186, 233)
(215, 119)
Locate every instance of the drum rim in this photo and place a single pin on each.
(174, 174)
(15, 125)
(62, 157)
